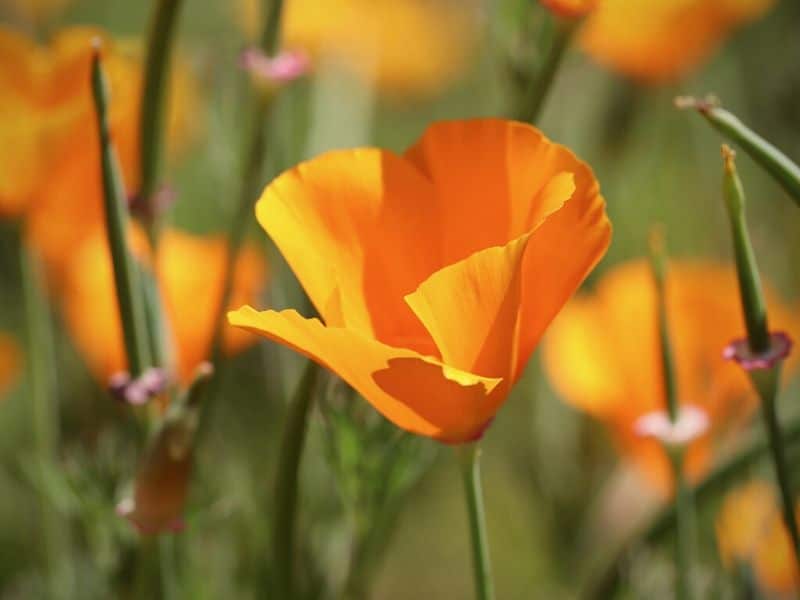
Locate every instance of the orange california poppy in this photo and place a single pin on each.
(602, 355)
(750, 531)
(654, 41)
(189, 271)
(409, 47)
(9, 362)
(435, 272)
(570, 9)
(49, 151)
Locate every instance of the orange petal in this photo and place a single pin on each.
(561, 253)
(360, 230)
(471, 309)
(415, 392)
(497, 176)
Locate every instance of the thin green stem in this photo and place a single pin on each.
(130, 297)
(767, 383)
(154, 103)
(252, 167)
(772, 160)
(658, 264)
(44, 414)
(684, 535)
(537, 89)
(286, 482)
(468, 455)
(167, 548)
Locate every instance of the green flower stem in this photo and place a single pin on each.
(767, 383)
(659, 268)
(251, 178)
(604, 581)
(468, 455)
(752, 296)
(130, 297)
(286, 482)
(154, 103)
(684, 512)
(683, 501)
(775, 162)
(44, 414)
(537, 89)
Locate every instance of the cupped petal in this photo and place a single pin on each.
(360, 229)
(417, 393)
(499, 179)
(561, 253)
(471, 309)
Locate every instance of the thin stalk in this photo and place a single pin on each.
(286, 482)
(251, 178)
(130, 297)
(154, 103)
(603, 582)
(772, 160)
(44, 413)
(658, 263)
(468, 455)
(536, 92)
(167, 547)
(767, 384)
(683, 502)
(684, 512)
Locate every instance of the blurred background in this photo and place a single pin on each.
(560, 499)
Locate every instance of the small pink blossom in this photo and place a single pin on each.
(282, 68)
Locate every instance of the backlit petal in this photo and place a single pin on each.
(471, 309)
(561, 253)
(497, 177)
(415, 392)
(360, 230)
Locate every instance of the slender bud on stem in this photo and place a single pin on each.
(765, 352)
(752, 296)
(126, 277)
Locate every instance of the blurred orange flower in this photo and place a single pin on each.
(570, 9)
(435, 272)
(190, 273)
(49, 153)
(750, 531)
(602, 356)
(9, 362)
(660, 40)
(409, 47)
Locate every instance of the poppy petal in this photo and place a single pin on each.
(415, 392)
(498, 171)
(471, 309)
(360, 229)
(561, 253)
